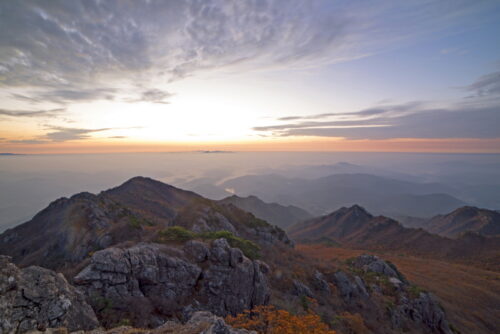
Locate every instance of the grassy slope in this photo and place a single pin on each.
(470, 296)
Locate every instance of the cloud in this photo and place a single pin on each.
(153, 96)
(472, 119)
(118, 137)
(487, 85)
(63, 96)
(31, 113)
(68, 48)
(389, 110)
(28, 141)
(59, 134)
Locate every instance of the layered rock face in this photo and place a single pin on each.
(176, 282)
(38, 298)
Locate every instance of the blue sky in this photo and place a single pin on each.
(122, 72)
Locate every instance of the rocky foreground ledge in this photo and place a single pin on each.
(38, 298)
(195, 284)
(200, 323)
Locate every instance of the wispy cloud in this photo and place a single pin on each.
(102, 43)
(388, 110)
(31, 113)
(476, 117)
(487, 85)
(59, 134)
(28, 141)
(463, 122)
(153, 95)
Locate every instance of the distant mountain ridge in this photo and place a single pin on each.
(464, 219)
(355, 227)
(274, 213)
(381, 195)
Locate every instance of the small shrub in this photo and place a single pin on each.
(180, 234)
(249, 248)
(175, 233)
(269, 320)
(355, 323)
(304, 302)
(134, 222)
(415, 291)
(124, 322)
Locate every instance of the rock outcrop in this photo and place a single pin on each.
(423, 310)
(37, 298)
(413, 308)
(372, 263)
(176, 282)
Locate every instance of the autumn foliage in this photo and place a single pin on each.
(269, 320)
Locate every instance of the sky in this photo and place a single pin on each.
(96, 76)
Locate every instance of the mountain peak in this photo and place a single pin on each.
(354, 211)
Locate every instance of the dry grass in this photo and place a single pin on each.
(470, 296)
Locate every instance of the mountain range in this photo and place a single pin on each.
(464, 219)
(274, 213)
(145, 253)
(378, 194)
(354, 227)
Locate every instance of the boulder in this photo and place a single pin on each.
(37, 298)
(350, 288)
(372, 263)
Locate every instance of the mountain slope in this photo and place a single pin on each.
(465, 219)
(276, 214)
(70, 229)
(355, 227)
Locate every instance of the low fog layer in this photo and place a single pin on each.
(394, 184)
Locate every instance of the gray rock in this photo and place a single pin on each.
(320, 283)
(350, 289)
(300, 289)
(424, 311)
(375, 264)
(214, 278)
(38, 298)
(197, 250)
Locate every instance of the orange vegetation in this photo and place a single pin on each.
(469, 295)
(269, 320)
